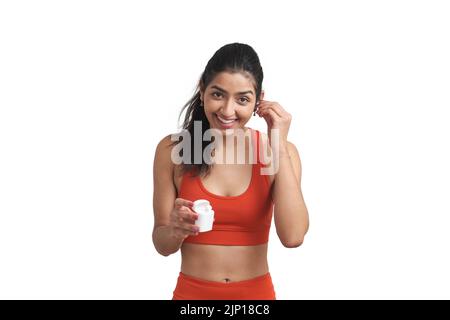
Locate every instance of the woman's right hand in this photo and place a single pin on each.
(182, 219)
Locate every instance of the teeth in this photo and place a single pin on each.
(225, 121)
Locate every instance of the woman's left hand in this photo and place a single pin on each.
(276, 118)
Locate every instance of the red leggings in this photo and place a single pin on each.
(192, 288)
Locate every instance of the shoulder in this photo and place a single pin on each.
(295, 159)
(264, 146)
(292, 150)
(163, 153)
(164, 144)
(264, 138)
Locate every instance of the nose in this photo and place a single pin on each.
(228, 109)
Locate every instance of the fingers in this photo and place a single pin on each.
(183, 202)
(187, 214)
(183, 218)
(275, 111)
(183, 233)
(271, 112)
(183, 224)
(274, 114)
(187, 227)
(274, 107)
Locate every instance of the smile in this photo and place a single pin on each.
(225, 121)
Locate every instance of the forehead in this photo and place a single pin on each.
(233, 82)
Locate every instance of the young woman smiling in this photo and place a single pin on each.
(230, 261)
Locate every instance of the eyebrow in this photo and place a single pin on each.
(220, 89)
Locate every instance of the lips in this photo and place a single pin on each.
(226, 123)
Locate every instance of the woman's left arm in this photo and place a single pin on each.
(290, 212)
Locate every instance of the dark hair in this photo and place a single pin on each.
(232, 57)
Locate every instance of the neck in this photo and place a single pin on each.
(233, 148)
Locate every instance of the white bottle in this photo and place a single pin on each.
(205, 215)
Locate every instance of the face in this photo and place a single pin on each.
(229, 100)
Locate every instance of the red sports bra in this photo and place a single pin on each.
(239, 220)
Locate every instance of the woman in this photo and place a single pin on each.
(229, 262)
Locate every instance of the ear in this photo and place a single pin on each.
(261, 96)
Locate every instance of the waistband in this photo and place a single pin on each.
(243, 283)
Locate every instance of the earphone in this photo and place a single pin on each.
(256, 108)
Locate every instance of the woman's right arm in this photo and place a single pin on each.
(174, 219)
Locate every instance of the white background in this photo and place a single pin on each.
(88, 88)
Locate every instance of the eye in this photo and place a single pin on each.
(245, 99)
(216, 92)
